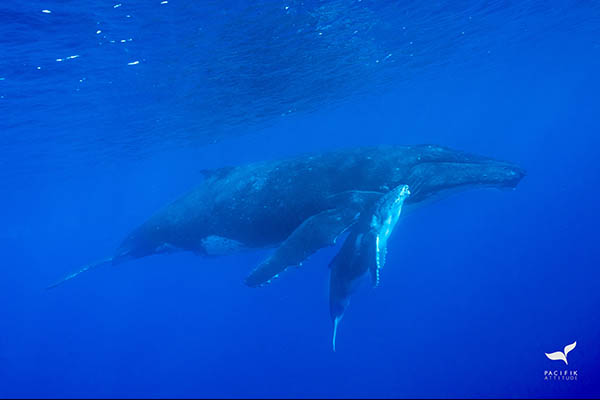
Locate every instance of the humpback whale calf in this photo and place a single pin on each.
(363, 251)
(299, 205)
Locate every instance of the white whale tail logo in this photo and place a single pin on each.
(559, 355)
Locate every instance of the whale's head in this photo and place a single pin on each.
(436, 170)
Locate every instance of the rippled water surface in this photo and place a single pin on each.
(117, 79)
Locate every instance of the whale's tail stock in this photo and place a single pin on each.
(122, 255)
(83, 269)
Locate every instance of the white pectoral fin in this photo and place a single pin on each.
(557, 355)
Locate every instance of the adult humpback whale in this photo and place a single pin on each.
(301, 204)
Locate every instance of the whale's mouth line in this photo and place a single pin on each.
(420, 161)
(507, 176)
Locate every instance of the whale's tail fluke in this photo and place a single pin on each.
(83, 269)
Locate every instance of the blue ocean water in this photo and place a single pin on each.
(110, 110)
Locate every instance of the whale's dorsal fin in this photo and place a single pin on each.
(318, 231)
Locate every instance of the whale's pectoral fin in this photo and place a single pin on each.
(318, 231)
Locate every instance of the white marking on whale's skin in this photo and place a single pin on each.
(218, 245)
